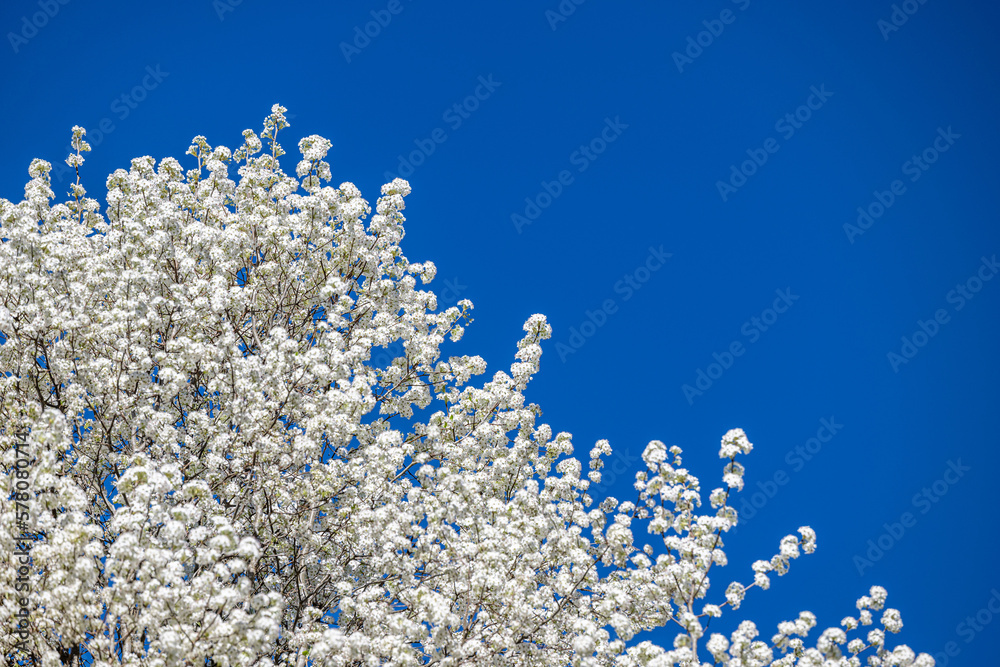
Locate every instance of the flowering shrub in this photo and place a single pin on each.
(217, 473)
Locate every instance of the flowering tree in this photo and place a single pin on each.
(204, 466)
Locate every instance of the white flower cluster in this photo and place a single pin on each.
(221, 475)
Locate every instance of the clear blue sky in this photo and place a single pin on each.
(627, 153)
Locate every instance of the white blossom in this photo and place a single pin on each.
(892, 620)
(247, 445)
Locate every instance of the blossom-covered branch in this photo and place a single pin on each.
(220, 473)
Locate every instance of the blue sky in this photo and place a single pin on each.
(677, 183)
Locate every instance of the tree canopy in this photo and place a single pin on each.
(206, 467)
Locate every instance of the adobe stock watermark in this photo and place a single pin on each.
(627, 286)
(454, 116)
(787, 125)
(753, 329)
(563, 11)
(714, 28)
(923, 501)
(914, 168)
(797, 459)
(21, 557)
(223, 7)
(122, 107)
(31, 25)
(381, 18)
(961, 295)
(621, 463)
(969, 629)
(581, 158)
(901, 13)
